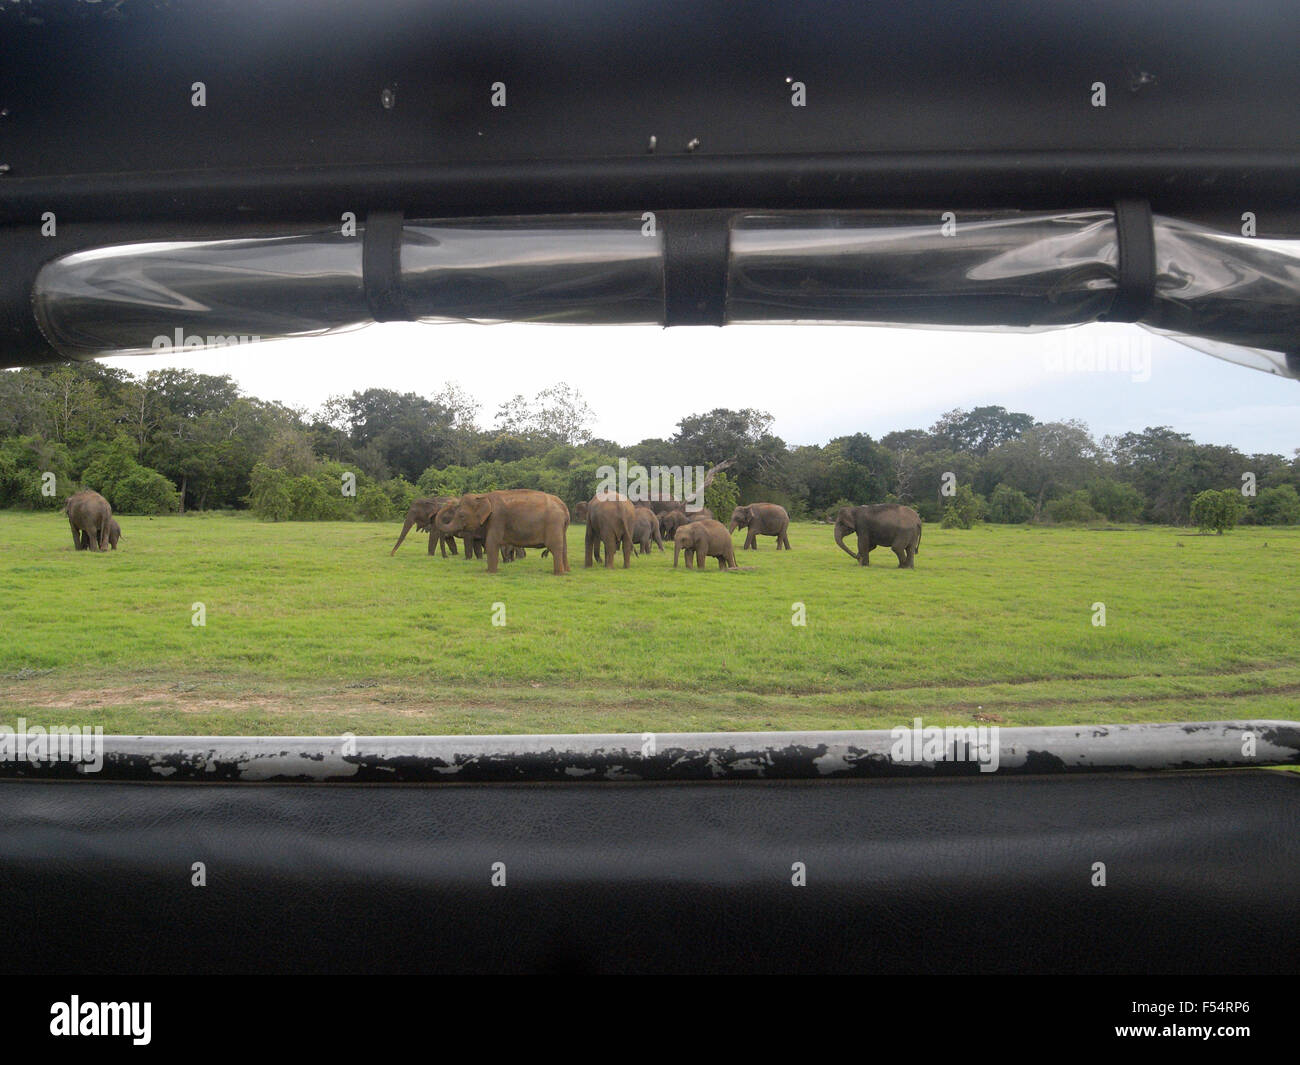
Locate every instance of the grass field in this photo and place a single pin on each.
(314, 629)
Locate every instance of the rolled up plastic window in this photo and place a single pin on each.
(1233, 296)
(923, 269)
(147, 298)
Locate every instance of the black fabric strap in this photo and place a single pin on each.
(1137, 262)
(696, 246)
(381, 267)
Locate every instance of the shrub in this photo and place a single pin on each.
(1009, 506)
(1217, 511)
(144, 491)
(311, 499)
(373, 504)
(24, 461)
(129, 487)
(1116, 500)
(269, 495)
(1072, 508)
(964, 509)
(401, 493)
(1279, 505)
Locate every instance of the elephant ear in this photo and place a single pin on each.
(481, 508)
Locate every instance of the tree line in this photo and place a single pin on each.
(178, 440)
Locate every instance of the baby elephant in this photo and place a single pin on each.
(704, 539)
(114, 533)
(645, 530)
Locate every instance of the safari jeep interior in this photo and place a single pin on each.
(202, 171)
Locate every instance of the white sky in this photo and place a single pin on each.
(817, 381)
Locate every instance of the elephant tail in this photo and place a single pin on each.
(917, 548)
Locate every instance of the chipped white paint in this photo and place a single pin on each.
(677, 756)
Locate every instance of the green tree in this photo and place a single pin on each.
(1217, 510)
(721, 496)
(129, 487)
(269, 496)
(145, 491)
(1047, 460)
(979, 430)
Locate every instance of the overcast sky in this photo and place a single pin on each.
(817, 381)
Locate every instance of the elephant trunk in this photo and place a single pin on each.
(405, 529)
(839, 539)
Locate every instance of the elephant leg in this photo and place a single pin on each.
(76, 537)
(449, 544)
(559, 553)
(785, 538)
(864, 550)
(590, 541)
(751, 540)
(434, 540)
(906, 552)
(700, 557)
(611, 547)
(493, 549)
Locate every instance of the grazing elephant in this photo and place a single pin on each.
(420, 516)
(704, 539)
(672, 520)
(89, 514)
(761, 519)
(645, 529)
(881, 524)
(514, 518)
(114, 533)
(610, 521)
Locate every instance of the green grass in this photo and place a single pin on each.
(314, 629)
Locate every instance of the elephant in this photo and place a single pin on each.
(580, 512)
(421, 515)
(704, 539)
(645, 529)
(114, 533)
(761, 519)
(671, 520)
(881, 524)
(89, 514)
(512, 518)
(610, 521)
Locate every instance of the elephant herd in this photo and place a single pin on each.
(501, 525)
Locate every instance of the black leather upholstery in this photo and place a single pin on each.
(984, 875)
